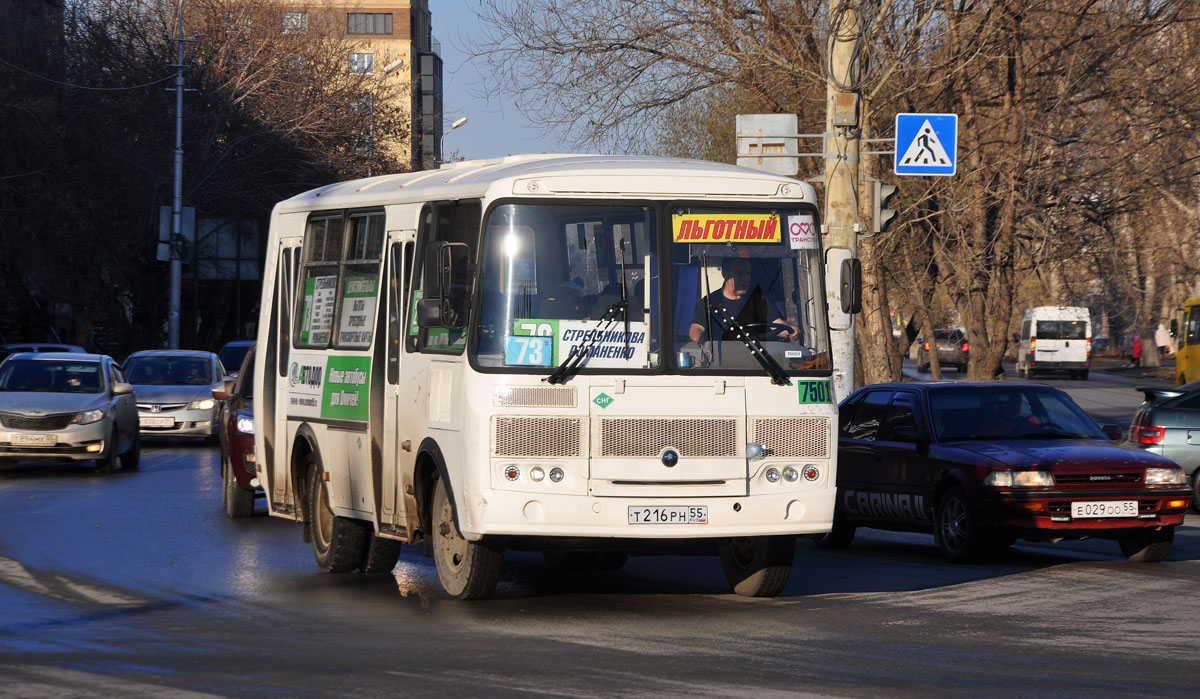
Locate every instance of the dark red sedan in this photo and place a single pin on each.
(239, 473)
(981, 465)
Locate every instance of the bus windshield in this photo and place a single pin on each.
(736, 292)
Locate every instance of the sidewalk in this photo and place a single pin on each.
(1117, 365)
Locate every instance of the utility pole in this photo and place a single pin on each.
(176, 245)
(842, 134)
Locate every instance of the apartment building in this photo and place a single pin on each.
(393, 40)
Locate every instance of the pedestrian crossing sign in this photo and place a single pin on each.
(926, 144)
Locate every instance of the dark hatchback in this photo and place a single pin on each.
(981, 465)
(235, 429)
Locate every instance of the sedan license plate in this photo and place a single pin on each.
(679, 514)
(157, 421)
(1091, 509)
(35, 440)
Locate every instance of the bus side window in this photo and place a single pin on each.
(285, 276)
(399, 274)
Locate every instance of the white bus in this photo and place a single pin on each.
(587, 356)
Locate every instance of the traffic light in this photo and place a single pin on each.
(881, 217)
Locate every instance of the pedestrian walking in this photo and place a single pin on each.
(1137, 351)
(1162, 338)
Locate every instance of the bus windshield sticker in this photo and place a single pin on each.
(802, 232)
(814, 392)
(319, 294)
(358, 307)
(529, 351)
(612, 349)
(722, 228)
(413, 328)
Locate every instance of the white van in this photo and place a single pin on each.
(1055, 338)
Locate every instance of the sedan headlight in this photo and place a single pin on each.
(1019, 479)
(202, 404)
(245, 425)
(88, 417)
(1165, 476)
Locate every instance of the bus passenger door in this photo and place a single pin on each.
(274, 463)
(398, 458)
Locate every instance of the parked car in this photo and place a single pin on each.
(232, 353)
(174, 391)
(63, 406)
(239, 472)
(952, 350)
(981, 464)
(1168, 424)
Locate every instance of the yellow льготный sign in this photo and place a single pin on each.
(723, 228)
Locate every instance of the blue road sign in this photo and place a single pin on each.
(926, 144)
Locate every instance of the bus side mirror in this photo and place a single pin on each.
(851, 282)
(1174, 327)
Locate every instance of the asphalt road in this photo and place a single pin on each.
(136, 584)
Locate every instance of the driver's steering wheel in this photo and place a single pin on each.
(768, 328)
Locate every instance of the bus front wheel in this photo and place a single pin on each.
(758, 566)
(467, 569)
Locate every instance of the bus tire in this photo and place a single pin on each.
(758, 566)
(339, 543)
(466, 569)
(382, 555)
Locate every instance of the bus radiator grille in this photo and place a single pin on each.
(535, 396)
(691, 437)
(537, 436)
(792, 437)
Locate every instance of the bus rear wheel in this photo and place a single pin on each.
(339, 543)
(467, 569)
(758, 566)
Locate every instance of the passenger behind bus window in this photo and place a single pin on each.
(741, 294)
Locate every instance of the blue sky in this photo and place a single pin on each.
(492, 129)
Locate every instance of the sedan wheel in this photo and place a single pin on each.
(1148, 547)
(133, 457)
(1196, 490)
(239, 502)
(108, 462)
(960, 539)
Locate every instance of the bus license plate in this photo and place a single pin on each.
(157, 422)
(1104, 508)
(35, 440)
(680, 514)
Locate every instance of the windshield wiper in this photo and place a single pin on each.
(730, 324)
(580, 352)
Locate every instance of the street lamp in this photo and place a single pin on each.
(442, 144)
(394, 65)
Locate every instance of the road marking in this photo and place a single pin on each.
(60, 587)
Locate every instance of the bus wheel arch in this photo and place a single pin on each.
(304, 445)
(430, 469)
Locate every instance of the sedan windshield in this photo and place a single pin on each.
(168, 371)
(44, 376)
(1020, 412)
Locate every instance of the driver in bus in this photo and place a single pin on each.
(744, 300)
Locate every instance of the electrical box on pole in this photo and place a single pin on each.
(881, 217)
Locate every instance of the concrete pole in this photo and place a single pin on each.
(177, 200)
(841, 180)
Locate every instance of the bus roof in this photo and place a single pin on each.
(548, 174)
